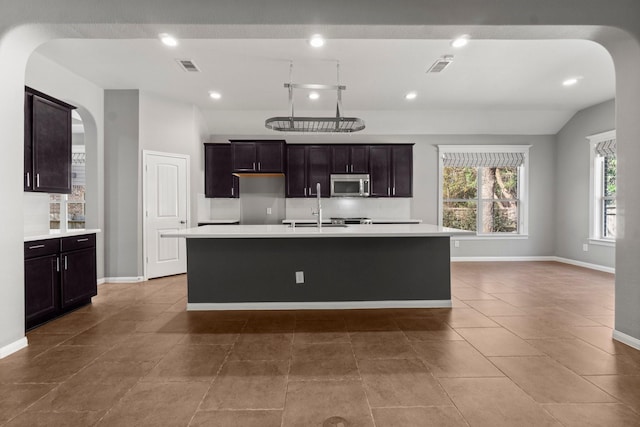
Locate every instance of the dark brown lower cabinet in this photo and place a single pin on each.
(42, 288)
(60, 275)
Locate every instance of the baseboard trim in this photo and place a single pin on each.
(13, 347)
(101, 281)
(534, 258)
(320, 305)
(586, 265)
(626, 339)
(502, 258)
(123, 279)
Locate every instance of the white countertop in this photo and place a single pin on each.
(374, 220)
(285, 231)
(56, 234)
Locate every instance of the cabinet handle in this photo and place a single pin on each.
(38, 180)
(36, 247)
(351, 168)
(259, 167)
(232, 191)
(394, 190)
(82, 240)
(65, 263)
(305, 191)
(58, 264)
(388, 191)
(347, 168)
(254, 165)
(28, 180)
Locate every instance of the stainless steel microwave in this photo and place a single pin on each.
(350, 185)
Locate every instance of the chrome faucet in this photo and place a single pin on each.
(318, 213)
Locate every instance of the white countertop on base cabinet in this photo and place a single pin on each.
(56, 234)
(285, 231)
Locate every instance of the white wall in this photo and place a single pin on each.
(572, 185)
(173, 127)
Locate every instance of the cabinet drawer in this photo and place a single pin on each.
(78, 242)
(39, 248)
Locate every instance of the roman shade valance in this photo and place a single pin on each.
(483, 159)
(606, 148)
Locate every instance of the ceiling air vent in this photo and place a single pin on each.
(188, 65)
(441, 64)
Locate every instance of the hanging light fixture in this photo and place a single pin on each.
(337, 124)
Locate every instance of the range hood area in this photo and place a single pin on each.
(262, 198)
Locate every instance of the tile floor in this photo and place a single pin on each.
(525, 344)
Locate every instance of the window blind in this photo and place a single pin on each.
(606, 148)
(493, 160)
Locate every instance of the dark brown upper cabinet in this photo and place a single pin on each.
(219, 180)
(264, 156)
(391, 170)
(47, 144)
(308, 165)
(349, 159)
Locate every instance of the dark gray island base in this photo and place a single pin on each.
(367, 272)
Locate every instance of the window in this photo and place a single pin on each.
(603, 187)
(70, 207)
(483, 188)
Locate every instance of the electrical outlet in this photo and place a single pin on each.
(456, 243)
(585, 247)
(299, 277)
(268, 211)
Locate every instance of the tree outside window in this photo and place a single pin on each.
(496, 211)
(608, 201)
(482, 188)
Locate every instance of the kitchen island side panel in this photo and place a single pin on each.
(335, 269)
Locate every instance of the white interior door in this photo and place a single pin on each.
(166, 200)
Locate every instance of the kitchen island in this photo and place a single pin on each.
(357, 266)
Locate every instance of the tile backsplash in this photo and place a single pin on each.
(351, 207)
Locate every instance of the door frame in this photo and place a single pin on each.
(146, 153)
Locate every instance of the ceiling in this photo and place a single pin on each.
(486, 76)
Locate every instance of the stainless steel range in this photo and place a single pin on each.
(336, 220)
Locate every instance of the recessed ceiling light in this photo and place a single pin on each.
(570, 81)
(316, 40)
(168, 39)
(410, 96)
(214, 95)
(314, 95)
(460, 41)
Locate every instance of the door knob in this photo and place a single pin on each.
(183, 222)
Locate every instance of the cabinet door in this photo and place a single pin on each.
(401, 171)
(218, 178)
(51, 149)
(359, 155)
(41, 284)
(379, 173)
(78, 270)
(28, 155)
(340, 159)
(270, 156)
(244, 156)
(296, 171)
(318, 170)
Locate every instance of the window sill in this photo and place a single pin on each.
(496, 237)
(602, 242)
